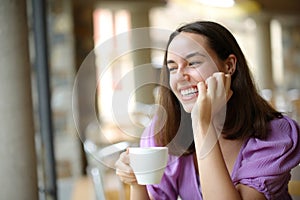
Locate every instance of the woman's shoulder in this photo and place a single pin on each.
(281, 147)
(280, 129)
(265, 164)
(283, 126)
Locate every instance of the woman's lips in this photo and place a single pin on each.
(189, 93)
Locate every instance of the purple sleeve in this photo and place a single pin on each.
(147, 138)
(265, 164)
(166, 189)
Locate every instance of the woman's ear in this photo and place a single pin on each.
(230, 64)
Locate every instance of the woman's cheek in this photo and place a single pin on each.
(172, 85)
(205, 72)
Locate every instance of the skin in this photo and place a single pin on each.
(194, 65)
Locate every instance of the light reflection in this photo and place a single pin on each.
(218, 3)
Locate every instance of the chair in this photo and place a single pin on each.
(101, 166)
(294, 184)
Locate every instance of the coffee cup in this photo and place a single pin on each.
(148, 163)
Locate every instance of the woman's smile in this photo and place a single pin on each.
(189, 93)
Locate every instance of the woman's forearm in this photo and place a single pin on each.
(215, 180)
(138, 192)
(214, 177)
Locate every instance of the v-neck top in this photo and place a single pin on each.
(264, 165)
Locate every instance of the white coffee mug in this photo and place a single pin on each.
(148, 163)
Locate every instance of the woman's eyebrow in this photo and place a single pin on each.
(190, 55)
(170, 61)
(194, 54)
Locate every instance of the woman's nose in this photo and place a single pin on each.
(183, 73)
(186, 77)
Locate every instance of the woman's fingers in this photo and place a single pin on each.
(201, 90)
(123, 169)
(122, 163)
(211, 83)
(126, 177)
(218, 90)
(223, 84)
(213, 94)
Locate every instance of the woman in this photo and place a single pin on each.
(238, 146)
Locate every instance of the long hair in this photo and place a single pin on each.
(247, 113)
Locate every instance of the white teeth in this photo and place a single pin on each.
(189, 91)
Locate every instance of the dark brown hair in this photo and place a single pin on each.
(247, 113)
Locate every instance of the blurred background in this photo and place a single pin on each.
(66, 67)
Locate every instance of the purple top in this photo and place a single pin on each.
(261, 164)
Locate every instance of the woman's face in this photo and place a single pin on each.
(190, 60)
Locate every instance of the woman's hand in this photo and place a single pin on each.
(212, 98)
(209, 112)
(123, 169)
(126, 175)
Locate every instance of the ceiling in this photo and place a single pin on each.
(278, 7)
(274, 7)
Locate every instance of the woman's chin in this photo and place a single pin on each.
(188, 108)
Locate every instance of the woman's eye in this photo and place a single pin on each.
(171, 69)
(194, 64)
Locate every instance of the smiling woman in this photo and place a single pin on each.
(189, 65)
(221, 134)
